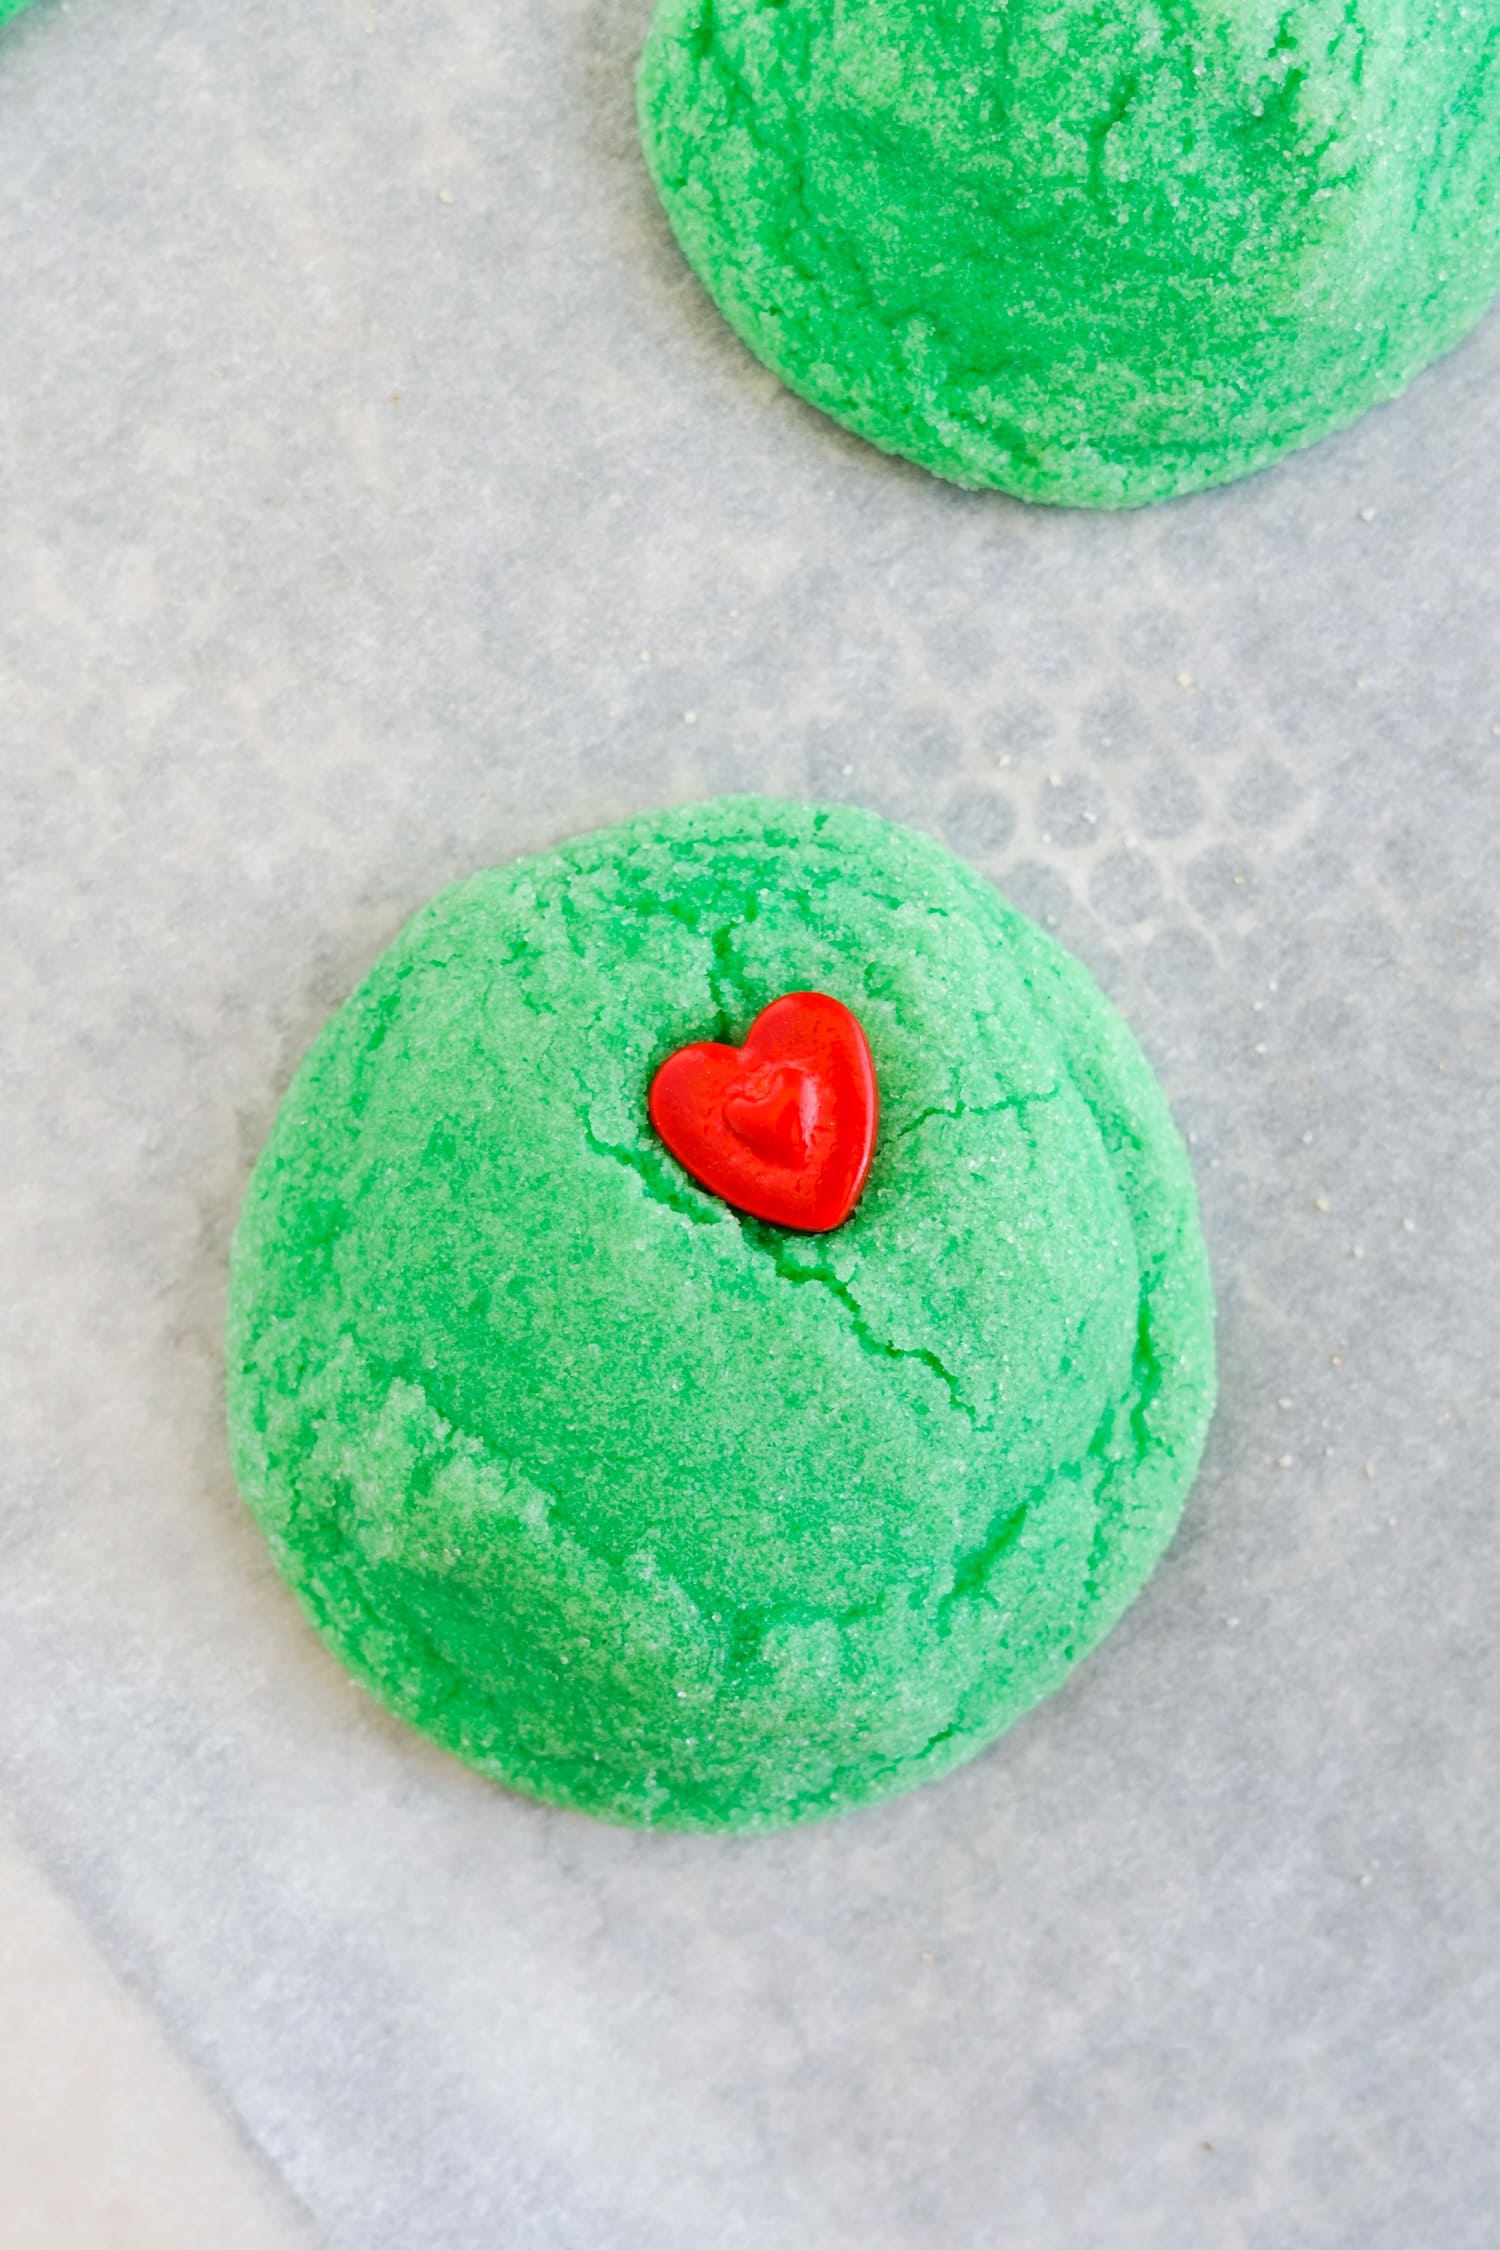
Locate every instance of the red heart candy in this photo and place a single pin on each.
(783, 1127)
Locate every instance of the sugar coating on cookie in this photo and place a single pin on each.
(1091, 251)
(663, 1512)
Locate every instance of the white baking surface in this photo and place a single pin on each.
(106, 2138)
(379, 497)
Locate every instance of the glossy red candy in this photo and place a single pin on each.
(783, 1127)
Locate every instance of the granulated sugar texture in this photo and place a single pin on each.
(1094, 251)
(667, 1513)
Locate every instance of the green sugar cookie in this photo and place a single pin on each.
(1093, 251)
(667, 1513)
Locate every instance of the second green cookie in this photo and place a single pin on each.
(1093, 251)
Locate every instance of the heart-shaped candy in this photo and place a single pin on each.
(783, 1127)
